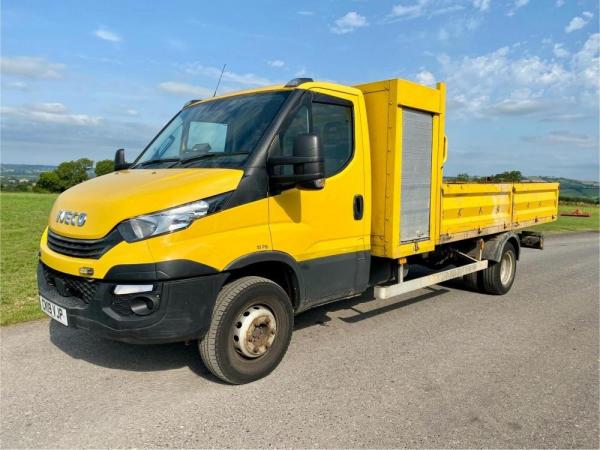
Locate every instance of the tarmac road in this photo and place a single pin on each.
(442, 367)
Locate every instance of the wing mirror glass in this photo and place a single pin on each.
(307, 162)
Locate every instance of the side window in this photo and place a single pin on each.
(207, 137)
(333, 124)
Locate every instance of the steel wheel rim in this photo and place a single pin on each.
(254, 331)
(506, 268)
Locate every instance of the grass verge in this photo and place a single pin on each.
(568, 224)
(22, 221)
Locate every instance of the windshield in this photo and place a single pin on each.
(218, 133)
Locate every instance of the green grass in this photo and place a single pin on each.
(24, 216)
(22, 221)
(566, 224)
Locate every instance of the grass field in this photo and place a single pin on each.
(565, 224)
(22, 221)
(24, 216)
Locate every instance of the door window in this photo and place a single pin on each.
(333, 124)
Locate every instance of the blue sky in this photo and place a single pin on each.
(83, 78)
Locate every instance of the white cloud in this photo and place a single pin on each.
(425, 77)
(184, 89)
(517, 107)
(564, 138)
(17, 85)
(457, 27)
(560, 51)
(107, 35)
(245, 79)
(348, 23)
(482, 5)
(306, 13)
(517, 4)
(276, 63)
(49, 113)
(132, 112)
(503, 83)
(409, 10)
(52, 108)
(578, 22)
(586, 64)
(31, 67)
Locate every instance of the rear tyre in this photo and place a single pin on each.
(499, 277)
(473, 281)
(250, 330)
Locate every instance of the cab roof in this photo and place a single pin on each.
(296, 83)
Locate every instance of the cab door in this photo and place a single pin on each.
(324, 229)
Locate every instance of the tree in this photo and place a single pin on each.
(463, 177)
(71, 173)
(513, 176)
(105, 166)
(49, 181)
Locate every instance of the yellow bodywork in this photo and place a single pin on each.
(305, 224)
(476, 209)
(457, 211)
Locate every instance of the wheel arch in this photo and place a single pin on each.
(278, 267)
(493, 247)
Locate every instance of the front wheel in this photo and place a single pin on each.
(499, 277)
(250, 330)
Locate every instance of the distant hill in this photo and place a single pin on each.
(29, 171)
(576, 188)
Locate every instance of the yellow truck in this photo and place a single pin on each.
(249, 208)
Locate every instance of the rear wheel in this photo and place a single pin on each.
(473, 281)
(499, 277)
(250, 330)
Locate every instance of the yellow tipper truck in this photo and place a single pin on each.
(249, 208)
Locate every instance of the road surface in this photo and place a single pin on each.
(442, 367)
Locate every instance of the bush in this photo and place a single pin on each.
(103, 167)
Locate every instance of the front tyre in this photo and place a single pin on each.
(498, 278)
(250, 330)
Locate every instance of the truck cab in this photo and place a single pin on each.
(247, 209)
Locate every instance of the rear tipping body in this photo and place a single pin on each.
(235, 187)
(414, 210)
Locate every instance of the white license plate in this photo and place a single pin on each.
(54, 311)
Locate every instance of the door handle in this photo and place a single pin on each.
(359, 207)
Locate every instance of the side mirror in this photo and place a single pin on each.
(307, 161)
(120, 163)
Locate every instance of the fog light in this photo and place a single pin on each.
(124, 289)
(142, 306)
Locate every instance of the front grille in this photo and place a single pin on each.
(69, 285)
(83, 248)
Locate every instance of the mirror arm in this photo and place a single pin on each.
(290, 160)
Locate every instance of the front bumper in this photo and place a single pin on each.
(183, 307)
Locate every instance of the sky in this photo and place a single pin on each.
(83, 78)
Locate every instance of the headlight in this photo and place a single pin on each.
(169, 220)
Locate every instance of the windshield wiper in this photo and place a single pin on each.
(155, 161)
(192, 159)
